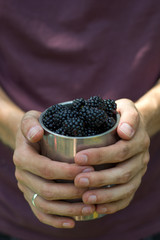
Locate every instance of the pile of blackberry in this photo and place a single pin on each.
(82, 117)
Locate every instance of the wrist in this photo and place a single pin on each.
(10, 119)
(149, 109)
(9, 124)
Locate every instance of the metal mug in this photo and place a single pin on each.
(64, 148)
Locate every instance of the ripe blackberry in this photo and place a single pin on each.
(73, 127)
(90, 132)
(72, 114)
(110, 122)
(82, 117)
(52, 118)
(78, 103)
(95, 101)
(93, 117)
(60, 131)
(52, 122)
(67, 113)
(110, 106)
(56, 108)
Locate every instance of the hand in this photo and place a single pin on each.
(36, 174)
(131, 156)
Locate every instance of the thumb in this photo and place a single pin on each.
(129, 119)
(31, 127)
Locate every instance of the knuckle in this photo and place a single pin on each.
(100, 155)
(46, 192)
(124, 177)
(146, 142)
(135, 116)
(69, 170)
(130, 191)
(46, 171)
(98, 183)
(17, 174)
(16, 159)
(123, 153)
(100, 179)
(43, 208)
(28, 115)
(146, 159)
(25, 119)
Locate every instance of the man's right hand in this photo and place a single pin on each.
(36, 174)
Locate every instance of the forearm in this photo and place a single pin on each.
(10, 117)
(149, 107)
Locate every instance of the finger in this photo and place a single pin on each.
(31, 127)
(54, 221)
(110, 208)
(129, 119)
(49, 190)
(119, 174)
(61, 208)
(27, 158)
(115, 193)
(118, 152)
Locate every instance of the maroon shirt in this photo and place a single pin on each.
(55, 51)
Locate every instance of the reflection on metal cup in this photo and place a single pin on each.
(64, 148)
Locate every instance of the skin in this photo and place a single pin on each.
(36, 173)
(131, 156)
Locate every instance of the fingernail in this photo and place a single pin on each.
(82, 159)
(84, 182)
(88, 170)
(86, 210)
(127, 129)
(66, 225)
(92, 199)
(33, 131)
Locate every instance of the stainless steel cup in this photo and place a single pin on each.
(63, 148)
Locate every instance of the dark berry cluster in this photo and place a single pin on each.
(82, 117)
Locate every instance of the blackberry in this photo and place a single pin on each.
(110, 122)
(110, 106)
(78, 103)
(67, 113)
(60, 131)
(90, 131)
(52, 122)
(72, 114)
(93, 116)
(82, 117)
(56, 108)
(96, 102)
(73, 127)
